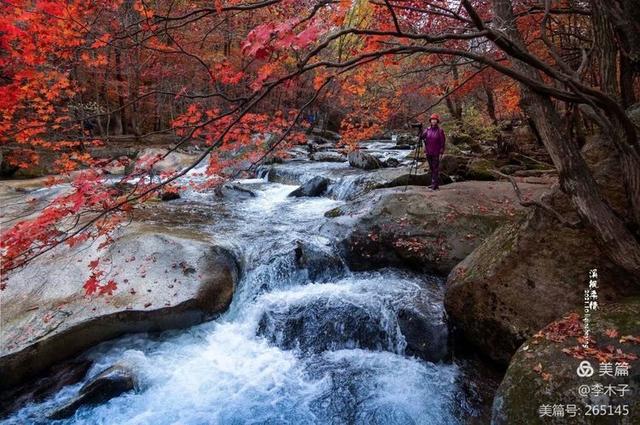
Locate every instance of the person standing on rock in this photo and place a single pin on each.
(433, 138)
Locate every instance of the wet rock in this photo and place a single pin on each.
(319, 263)
(425, 332)
(391, 162)
(314, 187)
(403, 147)
(234, 191)
(347, 182)
(363, 160)
(328, 156)
(166, 278)
(477, 382)
(422, 229)
(118, 166)
(108, 384)
(327, 324)
(536, 256)
(543, 371)
(289, 173)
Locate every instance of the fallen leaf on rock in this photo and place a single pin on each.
(611, 333)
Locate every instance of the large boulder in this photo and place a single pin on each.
(480, 169)
(327, 324)
(430, 230)
(425, 329)
(325, 134)
(464, 142)
(542, 385)
(319, 263)
(391, 162)
(363, 160)
(452, 165)
(166, 278)
(525, 275)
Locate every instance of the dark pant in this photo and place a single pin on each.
(434, 166)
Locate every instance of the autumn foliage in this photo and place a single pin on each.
(237, 80)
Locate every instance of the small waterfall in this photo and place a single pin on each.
(305, 341)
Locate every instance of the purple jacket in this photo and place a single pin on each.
(433, 139)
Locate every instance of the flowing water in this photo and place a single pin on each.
(308, 343)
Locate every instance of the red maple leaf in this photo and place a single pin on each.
(93, 283)
(108, 288)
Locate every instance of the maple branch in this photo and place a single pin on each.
(585, 93)
(393, 15)
(450, 92)
(254, 101)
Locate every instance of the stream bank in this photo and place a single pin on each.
(299, 321)
(321, 289)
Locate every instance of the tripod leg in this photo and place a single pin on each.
(414, 164)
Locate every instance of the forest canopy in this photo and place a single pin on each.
(241, 80)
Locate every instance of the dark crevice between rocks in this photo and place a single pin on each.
(38, 389)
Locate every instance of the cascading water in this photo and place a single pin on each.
(305, 341)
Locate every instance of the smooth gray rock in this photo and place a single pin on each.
(363, 160)
(423, 229)
(314, 187)
(166, 278)
(328, 156)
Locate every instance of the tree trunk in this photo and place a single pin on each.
(491, 104)
(120, 81)
(604, 37)
(627, 77)
(576, 179)
(453, 110)
(455, 107)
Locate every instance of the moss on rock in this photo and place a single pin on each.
(543, 371)
(523, 276)
(480, 169)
